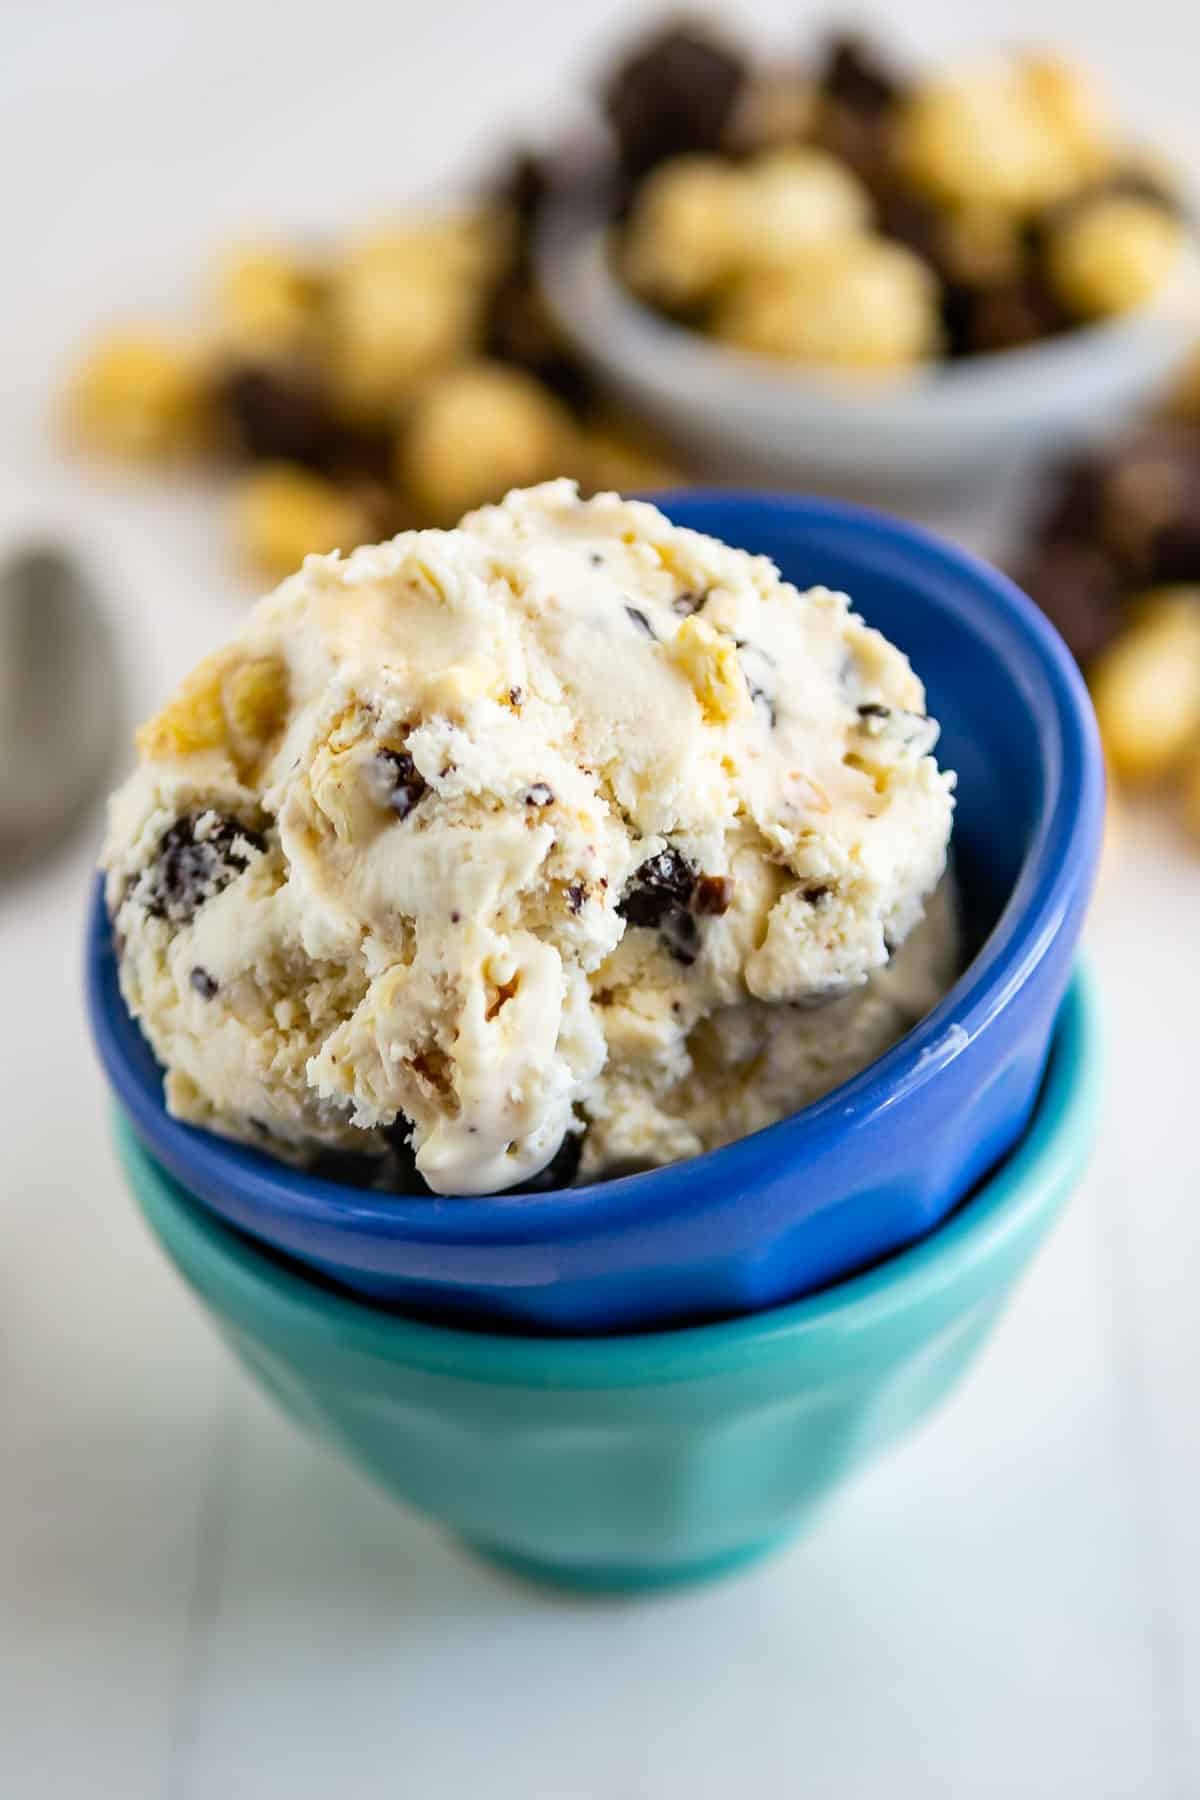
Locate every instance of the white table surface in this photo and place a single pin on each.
(194, 1602)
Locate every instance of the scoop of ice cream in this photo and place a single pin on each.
(750, 1063)
(526, 829)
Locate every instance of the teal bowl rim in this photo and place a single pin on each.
(1018, 1200)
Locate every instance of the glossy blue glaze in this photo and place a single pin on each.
(668, 1456)
(870, 1167)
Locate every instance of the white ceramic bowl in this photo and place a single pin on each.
(738, 415)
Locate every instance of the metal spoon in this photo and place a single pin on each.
(60, 701)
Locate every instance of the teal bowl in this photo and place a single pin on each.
(634, 1462)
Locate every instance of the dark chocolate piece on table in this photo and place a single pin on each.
(675, 93)
(1078, 589)
(282, 414)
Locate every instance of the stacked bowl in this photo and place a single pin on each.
(655, 1377)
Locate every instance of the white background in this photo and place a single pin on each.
(193, 1602)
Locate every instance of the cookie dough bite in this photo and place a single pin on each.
(1017, 133)
(270, 304)
(406, 303)
(546, 825)
(143, 395)
(792, 200)
(1146, 686)
(477, 431)
(861, 304)
(682, 236)
(1076, 110)
(283, 513)
(1110, 254)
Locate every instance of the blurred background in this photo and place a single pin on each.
(280, 281)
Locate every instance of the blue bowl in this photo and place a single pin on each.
(872, 1166)
(630, 1462)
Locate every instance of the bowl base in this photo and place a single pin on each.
(625, 1578)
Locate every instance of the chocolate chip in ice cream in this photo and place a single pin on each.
(197, 857)
(713, 896)
(407, 784)
(681, 937)
(203, 983)
(494, 982)
(761, 698)
(662, 884)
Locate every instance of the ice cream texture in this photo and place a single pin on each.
(565, 838)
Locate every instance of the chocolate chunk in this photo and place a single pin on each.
(284, 415)
(1003, 317)
(515, 696)
(1074, 506)
(560, 1171)
(681, 936)
(523, 188)
(819, 891)
(760, 697)
(713, 895)
(1151, 502)
(690, 602)
(408, 785)
(855, 72)
(871, 709)
(641, 621)
(856, 103)
(1078, 589)
(203, 982)
(914, 222)
(518, 329)
(662, 885)
(676, 93)
(278, 417)
(539, 795)
(189, 869)
(576, 895)
(1175, 550)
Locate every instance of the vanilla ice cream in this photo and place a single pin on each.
(566, 835)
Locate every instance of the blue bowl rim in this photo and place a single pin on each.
(988, 605)
(1019, 1199)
